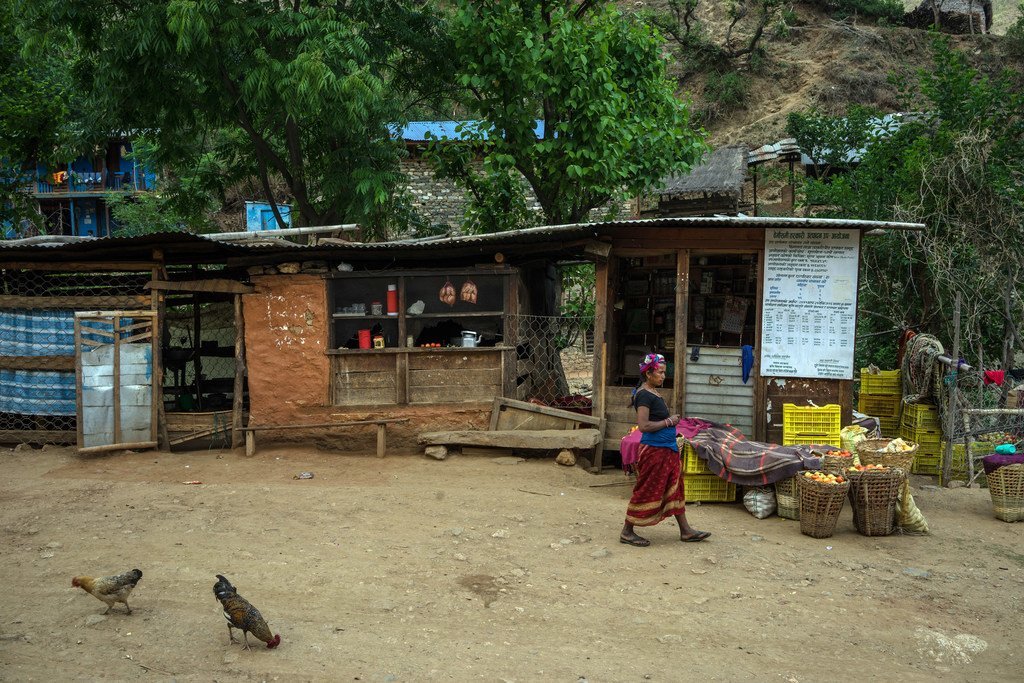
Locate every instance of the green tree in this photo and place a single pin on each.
(35, 122)
(306, 90)
(595, 77)
(956, 168)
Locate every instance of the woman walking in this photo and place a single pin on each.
(659, 491)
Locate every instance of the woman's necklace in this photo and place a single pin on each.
(648, 387)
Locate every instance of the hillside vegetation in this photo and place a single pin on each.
(809, 59)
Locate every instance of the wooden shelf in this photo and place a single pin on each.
(360, 316)
(464, 314)
(397, 349)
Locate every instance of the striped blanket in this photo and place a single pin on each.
(750, 463)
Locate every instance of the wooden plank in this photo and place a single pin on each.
(377, 381)
(134, 446)
(238, 389)
(453, 360)
(600, 367)
(117, 381)
(209, 431)
(52, 363)
(369, 363)
(40, 436)
(515, 419)
(72, 302)
(760, 427)
(324, 425)
(83, 266)
(682, 317)
(466, 394)
(219, 285)
(381, 440)
(544, 438)
(510, 403)
(454, 379)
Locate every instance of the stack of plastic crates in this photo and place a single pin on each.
(880, 396)
(958, 470)
(920, 424)
(701, 484)
(803, 425)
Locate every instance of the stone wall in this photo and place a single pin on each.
(441, 202)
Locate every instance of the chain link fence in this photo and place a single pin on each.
(37, 353)
(554, 360)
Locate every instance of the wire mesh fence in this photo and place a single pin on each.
(37, 353)
(554, 360)
(199, 356)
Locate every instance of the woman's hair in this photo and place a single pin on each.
(650, 363)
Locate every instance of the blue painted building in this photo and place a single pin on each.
(71, 197)
(260, 216)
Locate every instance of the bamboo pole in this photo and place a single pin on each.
(947, 453)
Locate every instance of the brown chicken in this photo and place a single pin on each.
(109, 589)
(240, 614)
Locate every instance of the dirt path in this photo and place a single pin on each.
(408, 569)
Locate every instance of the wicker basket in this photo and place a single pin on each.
(834, 464)
(820, 505)
(870, 452)
(1006, 485)
(873, 495)
(788, 498)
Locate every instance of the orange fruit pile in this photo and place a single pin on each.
(867, 468)
(824, 478)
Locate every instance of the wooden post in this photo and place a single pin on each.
(79, 389)
(947, 453)
(381, 440)
(597, 396)
(117, 378)
(197, 359)
(238, 389)
(682, 315)
(250, 444)
(157, 304)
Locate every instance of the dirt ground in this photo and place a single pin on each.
(408, 569)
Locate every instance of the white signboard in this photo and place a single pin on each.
(809, 310)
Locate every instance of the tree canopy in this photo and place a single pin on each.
(304, 91)
(594, 76)
(954, 166)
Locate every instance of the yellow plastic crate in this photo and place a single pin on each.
(707, 488)
(929, 442)
(693, 464)
(958, 468)
(926, 464)
(811, 425)
(879, 405)
(890, 426)
(921, 416)
(885, 382)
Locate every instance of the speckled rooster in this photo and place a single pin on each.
(242, 615)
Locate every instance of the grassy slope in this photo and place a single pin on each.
(827, 65)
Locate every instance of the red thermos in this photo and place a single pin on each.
(392, 299)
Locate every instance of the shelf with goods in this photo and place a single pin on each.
(416, 315)
(722, 299)
(647, 315)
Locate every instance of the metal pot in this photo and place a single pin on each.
(470, 339)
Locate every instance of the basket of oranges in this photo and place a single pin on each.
(821, 500)
(874, 491)
(836, 462)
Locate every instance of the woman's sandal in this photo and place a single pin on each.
(697, 537)
(634, 540)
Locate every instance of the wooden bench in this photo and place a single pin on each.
(250, 432)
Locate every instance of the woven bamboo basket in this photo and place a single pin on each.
(873, 495)
(820, 505)
(834, 464)
(870, 452)
(788, 498)
(1006, 485)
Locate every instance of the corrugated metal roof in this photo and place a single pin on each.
(181, 248)
(418, 131)
(784, 148)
